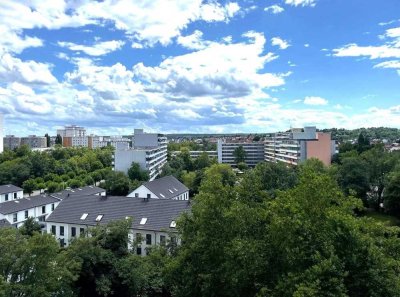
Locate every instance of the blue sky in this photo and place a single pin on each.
(199, 66)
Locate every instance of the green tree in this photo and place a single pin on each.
(117, 183)
(137, 173)
(58, 139)
(29, 186)
(30, 226)
(392, 194)
(353, 177)
(47, 140)
(239, 154)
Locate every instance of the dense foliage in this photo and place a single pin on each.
(391, 134)
(55, 169)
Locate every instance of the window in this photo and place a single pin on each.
(82, 231)
(173, 224)
(162, 240)
(15, 195)
(84, 216)
(143, 221)
(53, 229)
(61, 230)
(44, 209)
(136, 195)
(99, 217)
(148, 238)
(148, 196)
(26, 214)
(162, 195)
(170, 191)
(139, 250)
(52, 207)
(62, 242)
(15, 216)
(173, 239)
(6, 197)
(73, 231)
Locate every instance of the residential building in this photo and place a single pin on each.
(196, 154)
(34, 141)
(10, 192)
(11, 142)
(72, 131)
(16, 212)
(4, 223)
(254, 152)
(149, 151)
(167, 187)
(1, 133)
(83, 191)
(75, 141)
(299, 144)
(153, 220)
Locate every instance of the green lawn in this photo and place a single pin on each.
(386, 219)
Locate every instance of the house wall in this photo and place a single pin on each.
(142, 192)
(133, 235)
(20, 194)
(321, 149)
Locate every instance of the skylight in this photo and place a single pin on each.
(170, 191)
(143, 221)
(84, 216)
(162, 195)
(173, 224)
(99, 217)
(176, 190)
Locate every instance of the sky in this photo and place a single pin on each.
(193, 66)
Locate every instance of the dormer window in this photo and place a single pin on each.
(84, 216)
(143, 221)
(99, 217)
(173, 224)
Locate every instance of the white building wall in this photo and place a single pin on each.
(142, 192)
(11, 196)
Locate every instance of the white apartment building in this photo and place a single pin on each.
(10, 192)
(16, 212)
(153, 220)
(196, 154)
(72, 131)
(11, 142)
(149, 150)
(299, 144)
(167, 187)
(254, 152)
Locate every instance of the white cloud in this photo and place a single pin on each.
(282, 44)
(389, 64)
(303, 3)
(193, 41)
(306, 45)
(314, 100)
(275, 9)
(213, 11)
(97, 49)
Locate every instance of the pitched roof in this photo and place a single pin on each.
(26, 203)
(4, 223)
(159, 212)
(4, 189)
(84, 191)
(166, 187)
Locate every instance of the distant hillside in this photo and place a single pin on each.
(391, 134)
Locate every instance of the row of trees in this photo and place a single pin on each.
(54, 170)
(277, 231)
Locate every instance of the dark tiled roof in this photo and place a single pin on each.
(168, 186)
(84, 191)
(4, 223)
(159, 212)
(9, 189)
(26, 203)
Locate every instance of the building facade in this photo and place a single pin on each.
(10, 192)
(297, 145)
(149, 151)
(34, 141)
(72, 131)
(153, 220)
(254, 152)
(11, 142)
(1, 133)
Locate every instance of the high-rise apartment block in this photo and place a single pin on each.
(73, 136)
(254, 152)
(149, 150)
(299, 144)
(34, 141)
(11, 142)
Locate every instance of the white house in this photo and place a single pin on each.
(153, 220)
(10, 192)
(17, 211)
(167, 187)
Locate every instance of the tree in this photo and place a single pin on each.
(117, 183)
(392, 194)
(47, 140)
(29, 186)
(58, 139)
(240, 154)
(242, 166)
(30, 226)
(363, 143)
(137, 173)
(353, 177)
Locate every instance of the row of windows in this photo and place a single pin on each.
(61, 231)
(14, 195)
(26, 214)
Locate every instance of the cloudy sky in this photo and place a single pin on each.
(198, 66)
